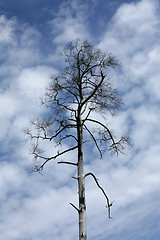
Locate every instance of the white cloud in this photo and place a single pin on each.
(131, 23)
(23, 77)
(32, 207)
(133, 39)
(70, 22)
(7, 29)
(32, 82)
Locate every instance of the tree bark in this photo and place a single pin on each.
(81, 182)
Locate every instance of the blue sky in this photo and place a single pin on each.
(36, 207)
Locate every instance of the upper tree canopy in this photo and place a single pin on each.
(82, 88)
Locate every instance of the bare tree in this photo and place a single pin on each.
(83, 89)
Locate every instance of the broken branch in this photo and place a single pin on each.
(74, 206)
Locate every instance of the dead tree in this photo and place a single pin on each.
(81, 90)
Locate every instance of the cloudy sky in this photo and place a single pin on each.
(35, 206)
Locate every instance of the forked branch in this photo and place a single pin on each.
(53, 157)
(107, 199)
(61, 130)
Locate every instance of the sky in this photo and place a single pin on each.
(36, 206)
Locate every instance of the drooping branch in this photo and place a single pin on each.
(107, 199)
(101, 124)
(95, 141)
(116, 146)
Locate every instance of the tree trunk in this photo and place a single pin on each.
(81, 182)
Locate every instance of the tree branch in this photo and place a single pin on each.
(54, 157)
(107, 199)
(94, 91)
(115, 146)
(89, 112)
(67, 136)
(71, 163)
(75, 178)
(100, 152)
(71, 92)
(64, 106)
(74, 207)
(61, 130)
(101, 124)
